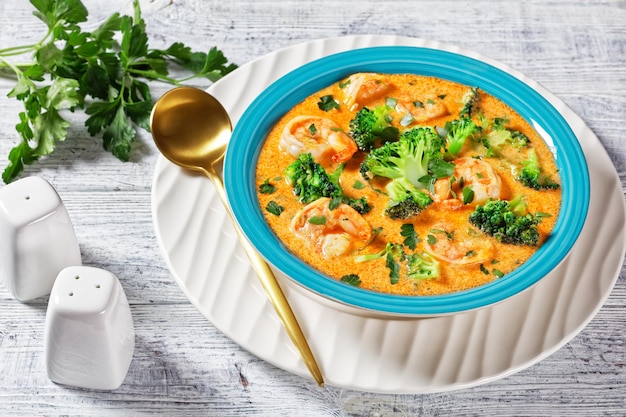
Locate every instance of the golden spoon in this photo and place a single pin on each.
(191, 129)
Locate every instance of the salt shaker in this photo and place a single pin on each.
(37, 239)
(89, 335)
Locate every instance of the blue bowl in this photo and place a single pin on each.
(286, 92)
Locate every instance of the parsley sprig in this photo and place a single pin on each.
(104, 72)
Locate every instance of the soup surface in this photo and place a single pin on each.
(363, 232)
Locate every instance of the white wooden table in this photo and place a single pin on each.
(182, 364)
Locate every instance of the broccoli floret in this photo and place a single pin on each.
(394, 256)
(499, 136)
(498, 218)
(370, 126)
(531, 175)
(422, 266)
(359, 204)
(518, 139)
(310, 181)
(469, 101)
(409, 157)
(405, 200)
(457, 132)
(418, 266)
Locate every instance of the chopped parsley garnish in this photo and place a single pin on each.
(358, 185)
(274, 208)
(352, 279)
(267, 187)
(317, 220)
(410, 235)
(468, 195)
(327, 103)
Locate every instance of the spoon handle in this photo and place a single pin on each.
(273, 290)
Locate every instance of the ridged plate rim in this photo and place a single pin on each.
(370, 353)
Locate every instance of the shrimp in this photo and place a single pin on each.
(474, 173)
(363, 87)
(318, 135)
(467, 250)
(421, 112)
(333, 232)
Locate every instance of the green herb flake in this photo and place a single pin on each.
(431, 239)
(483, 269)
(267, 187)
(317, 220)
(352, 279)
(411, 238)
(468, 195)
(334, 203)
(312, 129)
(327, 103)
(497, 273)
(273, 208)
(448, 235)
(358, 185)
(394, 268)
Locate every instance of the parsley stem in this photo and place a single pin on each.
(6, 64)
(18, 50)
(154, 76)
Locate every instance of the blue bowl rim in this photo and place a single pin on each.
(264, 111)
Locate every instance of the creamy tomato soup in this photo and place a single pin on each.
(344, 244)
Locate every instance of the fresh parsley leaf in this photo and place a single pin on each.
(468, 195)
(335, 202)
(267, 187)
(394, 267)
(119, 135)
(358, 185)
(317, 220)
(274, 208)
(411, 239)
(352, 279)
(327, 103)
(76, 69)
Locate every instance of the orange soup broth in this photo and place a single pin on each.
(374, 275)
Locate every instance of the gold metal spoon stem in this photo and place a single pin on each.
(191, 129)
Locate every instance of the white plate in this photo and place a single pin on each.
(369, 353)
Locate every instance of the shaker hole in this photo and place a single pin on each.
(71, 294)
(77, 277)
(97, 285)
(27, 197)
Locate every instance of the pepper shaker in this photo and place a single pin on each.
(89, 334)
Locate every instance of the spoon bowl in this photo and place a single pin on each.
(191, 129)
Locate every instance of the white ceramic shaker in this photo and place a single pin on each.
(89, 334)
(37, 239)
